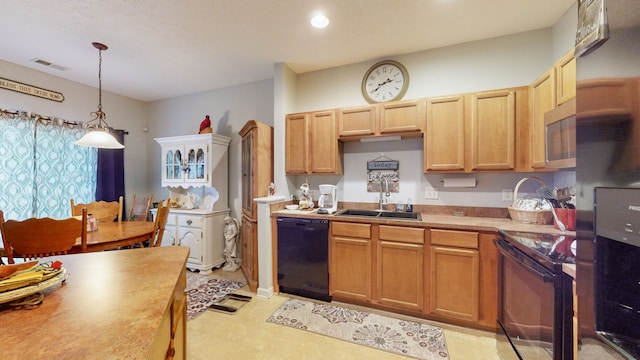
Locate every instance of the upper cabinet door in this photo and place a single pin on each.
(357, 121)
(566, 78)
(324, 143)
(296, 143)
(492, 119)
(402, 116)
(444, 138)
(543, 99)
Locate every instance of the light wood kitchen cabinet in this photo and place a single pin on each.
(404, 118)
(350, 265)
(400, 267)
(257, 175)
(565, 78)
(542, 99)
(455, 274)
(357, 121)
(297, 143)
(311, 144)
(477, 132)
(444, 139)
(249, 238)
(492, 119)
(439, 274)
(553, 89)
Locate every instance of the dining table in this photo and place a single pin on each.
(115, 235)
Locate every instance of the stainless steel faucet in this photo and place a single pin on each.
(384, 184)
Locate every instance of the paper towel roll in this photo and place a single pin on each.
(459, 182)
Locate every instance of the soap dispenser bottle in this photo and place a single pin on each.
(409, 206)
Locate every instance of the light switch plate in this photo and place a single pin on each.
(431, 193)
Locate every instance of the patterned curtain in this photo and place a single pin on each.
(40, 167)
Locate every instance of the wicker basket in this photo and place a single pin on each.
(538, 217)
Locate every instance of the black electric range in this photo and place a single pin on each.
(547, 249)
(535, 299)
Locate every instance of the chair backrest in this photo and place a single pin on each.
(161, 221)
(140, 208)
(40, 237)
(105, 211)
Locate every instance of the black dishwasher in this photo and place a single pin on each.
(303, 252)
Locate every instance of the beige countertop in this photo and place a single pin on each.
(473, 223)
(110, 307)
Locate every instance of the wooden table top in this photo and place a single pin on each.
(114, 235)
(110, 307)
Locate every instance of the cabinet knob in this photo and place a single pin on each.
(189, 222)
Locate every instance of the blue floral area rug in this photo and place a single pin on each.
(203, 290)
(381, 332)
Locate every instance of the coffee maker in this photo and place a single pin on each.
(328, 201)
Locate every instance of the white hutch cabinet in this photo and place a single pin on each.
(196, 166)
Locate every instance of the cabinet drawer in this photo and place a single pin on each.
(351, 230)
(190, 221)
(402, 234)
(465, 239)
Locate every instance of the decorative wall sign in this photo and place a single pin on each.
(593, 26)
(375, 178)
(382, 168)
(31, 90)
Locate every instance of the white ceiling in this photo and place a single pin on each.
(166, 48)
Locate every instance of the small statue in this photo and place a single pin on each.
(205, 125)
(231, 229)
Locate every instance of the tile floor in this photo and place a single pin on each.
(247, 335)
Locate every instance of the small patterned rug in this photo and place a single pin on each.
(203, 291)
(398, 336)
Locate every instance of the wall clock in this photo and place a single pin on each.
(386, 80)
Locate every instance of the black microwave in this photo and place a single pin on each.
(560, 132)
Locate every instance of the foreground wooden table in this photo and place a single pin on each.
(114, 305)
(115, 235)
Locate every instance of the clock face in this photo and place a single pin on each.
(385, 81)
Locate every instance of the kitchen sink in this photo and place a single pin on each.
(380, 214)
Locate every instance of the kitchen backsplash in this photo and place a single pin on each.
(489, 191)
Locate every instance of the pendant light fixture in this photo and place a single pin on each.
(99, 136)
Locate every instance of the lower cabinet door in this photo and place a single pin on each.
(249, 248)
(400, 280)
(455, 275)
(192, 237)
(350, 268)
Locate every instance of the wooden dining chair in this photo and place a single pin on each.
(106, 211)
(40, 237)
(160, 223)
(140, 208)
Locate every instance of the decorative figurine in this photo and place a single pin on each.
(205, 126)
(231, 228)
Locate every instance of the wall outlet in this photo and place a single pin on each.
(507, 194)
(431, 193)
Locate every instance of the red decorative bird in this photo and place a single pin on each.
(205, 123)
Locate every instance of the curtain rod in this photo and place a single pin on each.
(24, 114)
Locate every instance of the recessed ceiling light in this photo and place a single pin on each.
(319, 21)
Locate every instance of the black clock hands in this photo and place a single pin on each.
(380, 85)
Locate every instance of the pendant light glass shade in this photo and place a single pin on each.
(99, 137)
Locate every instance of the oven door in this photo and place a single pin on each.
(530, 305)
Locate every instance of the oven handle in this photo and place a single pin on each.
(516, 255)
